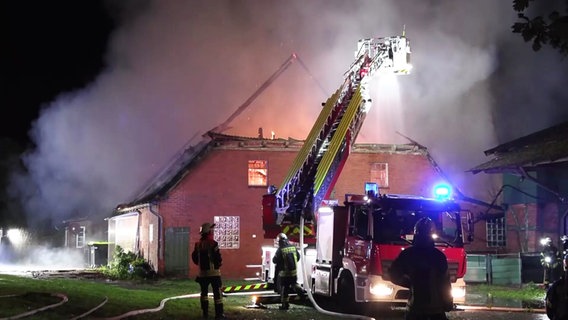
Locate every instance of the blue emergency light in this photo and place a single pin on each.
(442, 191)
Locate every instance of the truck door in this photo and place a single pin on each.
(357, 244)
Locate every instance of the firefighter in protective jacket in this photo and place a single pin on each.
(424, 269)
(550, 260)
(207, 256)
(286, 260)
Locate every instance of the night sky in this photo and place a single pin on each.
(124, 86)
(48, 47)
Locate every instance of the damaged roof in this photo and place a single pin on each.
(190, 156)
(543, 147)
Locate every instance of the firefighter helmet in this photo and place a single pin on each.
(424, 229)
(282, 238)
(206, 228)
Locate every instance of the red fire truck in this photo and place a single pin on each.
(349, 246)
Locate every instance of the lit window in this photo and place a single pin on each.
(258, 173)
(380, 174)
(80, 237)
(227, 231)
(495, 229)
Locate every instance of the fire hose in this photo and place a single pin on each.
(63, 297)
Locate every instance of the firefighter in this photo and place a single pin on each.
(207, 256)
(286, 260)
(557, 296)
(549, 259)
(424, 270)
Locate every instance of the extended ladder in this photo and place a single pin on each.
(320, 160)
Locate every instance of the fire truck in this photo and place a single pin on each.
(348, 247)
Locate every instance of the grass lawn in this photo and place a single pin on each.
(20, 294)
(529, 292)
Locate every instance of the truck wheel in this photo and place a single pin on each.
(346, 293)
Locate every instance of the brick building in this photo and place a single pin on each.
(533, 193)
(222, 180)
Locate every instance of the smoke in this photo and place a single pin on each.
(179, 68)
(19, 252)
(40, 258)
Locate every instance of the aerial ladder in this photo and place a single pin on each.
(319, 162)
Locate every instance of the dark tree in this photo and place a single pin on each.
(11, 211)
(550, 28)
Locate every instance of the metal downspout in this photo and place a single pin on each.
(160, 220)
(137, 241)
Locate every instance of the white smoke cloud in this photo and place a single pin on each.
(179, 68)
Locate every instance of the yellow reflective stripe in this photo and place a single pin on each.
(246, 287)
(294, 229)
(338, 138)
(319, 126)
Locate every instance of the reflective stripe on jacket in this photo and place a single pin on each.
(286, 259)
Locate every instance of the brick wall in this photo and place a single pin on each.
(408, 174)
(149, 240)
(218, 186)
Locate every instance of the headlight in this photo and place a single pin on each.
(381, 289)
(458, 292)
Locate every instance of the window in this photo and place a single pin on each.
(80, 237)
(380, 174)
(227, 231)
(258, 173)
(495, 229)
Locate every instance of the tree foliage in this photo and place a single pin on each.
(551, 29)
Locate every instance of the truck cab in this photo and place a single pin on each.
(357, 243)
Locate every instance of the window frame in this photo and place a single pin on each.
(80, 237)
(376, 174)
(256, 170)
(496, 232)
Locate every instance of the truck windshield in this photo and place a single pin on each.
(397, 226)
